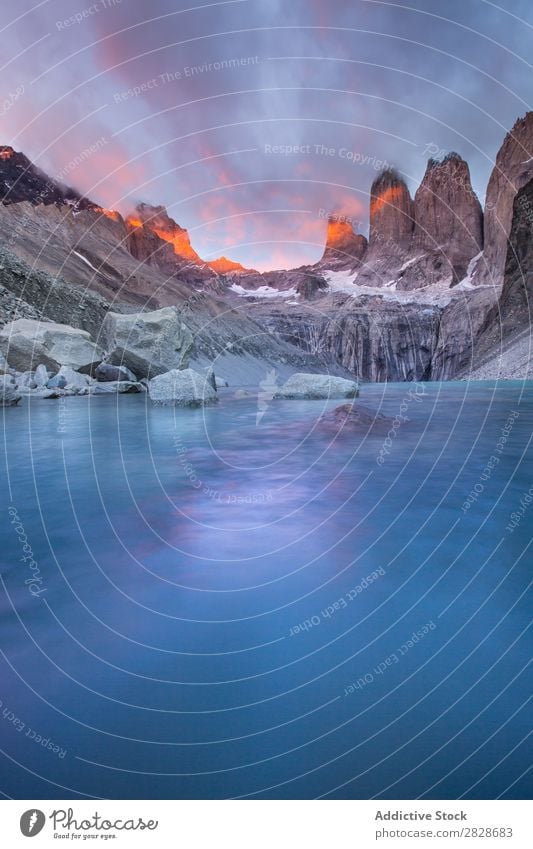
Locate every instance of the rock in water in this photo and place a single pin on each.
(317, 386)
(106, 372)
(148, 343)
(9, 395)
(182, 388)
(111, 387)
(48, 393)
(27, 342)
(355, 417)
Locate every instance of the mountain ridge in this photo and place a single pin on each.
(425, 297)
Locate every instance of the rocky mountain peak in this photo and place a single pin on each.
(447, 212)
(391, 209)
(7, 152)
(148, 221)
(344, 248)
(223, 265)
(154, 220)
(21, 180)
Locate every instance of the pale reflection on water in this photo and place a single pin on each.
(178, 551)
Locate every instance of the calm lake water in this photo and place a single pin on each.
(213, 604)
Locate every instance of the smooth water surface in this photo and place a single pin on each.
(215, 603)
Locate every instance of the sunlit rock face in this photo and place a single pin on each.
(513, 169)
(155, 237)
(391, 210)
(223, 265)
(344, 248)
(148, 221)
(426, 242)
(391, 230)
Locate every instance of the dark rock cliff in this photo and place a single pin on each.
(513, 169)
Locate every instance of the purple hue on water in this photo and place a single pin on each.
(218, 608)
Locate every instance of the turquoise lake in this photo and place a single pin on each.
(233, 603)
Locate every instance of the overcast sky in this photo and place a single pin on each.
(354, 84)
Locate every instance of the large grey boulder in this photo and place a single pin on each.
(317, 386)
(107, 372)
(9, 394)
(148, 343)
(28, 342)
(182, 388)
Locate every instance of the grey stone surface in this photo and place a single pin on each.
(106, 372)
(112, 387)
(182, 388)
(27, 343)
(25, 381)
(512, 171)
(58, 381)
(41, 375)
(316, 386)
(73, 379)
